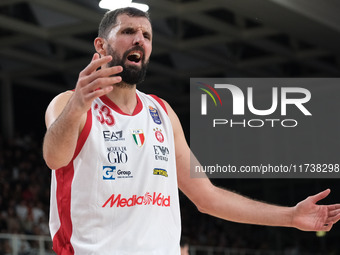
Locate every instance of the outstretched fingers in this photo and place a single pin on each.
(95, 82)
(333, 213)
(102, 83)
(104, 76)
(92, 70)
(95, 63)
(334, 207)
(316, 198)
(100, 91)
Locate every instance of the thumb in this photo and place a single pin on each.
(320, 196)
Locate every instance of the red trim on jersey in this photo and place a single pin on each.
(160, 101)
(114, 107)
(62, 239)
(84, 134)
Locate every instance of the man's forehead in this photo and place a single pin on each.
(124, 20)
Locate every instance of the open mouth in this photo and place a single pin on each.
(135, 56)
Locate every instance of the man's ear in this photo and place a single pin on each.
(99, 46)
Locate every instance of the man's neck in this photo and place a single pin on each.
(124, 97)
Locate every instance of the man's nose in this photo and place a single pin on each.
(139, 38)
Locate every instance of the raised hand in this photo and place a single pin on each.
(309, 216)
(94, 82)
(66, 114)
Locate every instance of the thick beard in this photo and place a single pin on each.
(131, 75)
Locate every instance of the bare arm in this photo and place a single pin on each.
(228, 205)
(62, 132)
(66, 114)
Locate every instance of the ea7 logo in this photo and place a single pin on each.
(286, 96)
(113, 136)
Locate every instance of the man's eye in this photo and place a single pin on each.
(128, 32)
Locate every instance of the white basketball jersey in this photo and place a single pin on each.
(119, 194)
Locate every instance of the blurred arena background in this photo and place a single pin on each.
(45, 43)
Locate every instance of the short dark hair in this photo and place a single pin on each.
(109, 19)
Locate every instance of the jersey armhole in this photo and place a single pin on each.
(160, 101)
(84, 134)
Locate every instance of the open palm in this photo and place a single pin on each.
(309, 216)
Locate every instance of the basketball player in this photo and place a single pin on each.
(119, 156)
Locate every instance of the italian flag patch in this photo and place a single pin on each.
(138, 137)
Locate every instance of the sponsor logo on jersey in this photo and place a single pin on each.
(161, 152)
(159, 171)
(138, 137)
(155, 199)
(111, 173)
(155, 116)
(108, 172)
(158, 134)
(110, 136)
(117, 155)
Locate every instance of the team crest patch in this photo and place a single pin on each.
(138, 137)
(155, 116)
(158, 134)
